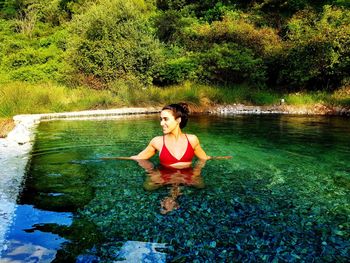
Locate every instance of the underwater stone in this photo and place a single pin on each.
(135, 251)
(87, 259)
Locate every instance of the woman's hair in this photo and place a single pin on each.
(179, 110)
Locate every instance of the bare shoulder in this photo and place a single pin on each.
(157, 142)
(194, 141)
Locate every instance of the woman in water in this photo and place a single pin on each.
(176, 152)
(176, 149)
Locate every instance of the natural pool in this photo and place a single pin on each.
(284, 196)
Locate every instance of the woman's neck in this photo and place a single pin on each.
(176, 133)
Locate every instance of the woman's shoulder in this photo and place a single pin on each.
(193, 139)
(157, 140)
(191, 136)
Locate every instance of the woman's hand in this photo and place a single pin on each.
(117, 158)
(220, 157)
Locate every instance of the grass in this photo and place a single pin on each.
(307, 98)
(24, 98)
(340, 97)
(204, 95)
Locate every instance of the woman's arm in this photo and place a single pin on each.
(220, 157)
(199, 166)
(147, 153)
(200, 153)
(145, 164)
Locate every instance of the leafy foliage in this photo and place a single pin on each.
(317, 51)
(32, 59)
(229, 63)
(113, 39)
(289, 45)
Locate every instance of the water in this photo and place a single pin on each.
(284, 196)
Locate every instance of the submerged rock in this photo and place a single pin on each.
(135, 251)
(87, 259)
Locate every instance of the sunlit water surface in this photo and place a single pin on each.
(284, 196)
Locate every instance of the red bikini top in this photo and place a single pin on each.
(166, 158)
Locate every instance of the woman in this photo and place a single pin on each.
(176, 149)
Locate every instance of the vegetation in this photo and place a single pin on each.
(6, 125)
(82, 54)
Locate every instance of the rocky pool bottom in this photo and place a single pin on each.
(283, 197)
(15, 151)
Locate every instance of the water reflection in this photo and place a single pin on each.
(175, 178)
(28, 238)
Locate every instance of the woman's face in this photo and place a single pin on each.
(168, 121)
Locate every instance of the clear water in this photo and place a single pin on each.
(284, 196)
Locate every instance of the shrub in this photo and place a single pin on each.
(317, 53)
(176, 70)
(234, 49)
(168, 24)
(229, 63)
(236, 28)
(27, 63)
(114, 39)
(32, 59)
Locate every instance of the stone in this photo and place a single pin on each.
(87, 259)
(141, 252)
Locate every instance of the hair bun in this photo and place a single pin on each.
(184, 106)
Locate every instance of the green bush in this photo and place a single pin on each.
(317, 53)
(114, 39)
(229, 63)
(32, 59)
(237, 28)
(168, 24)
(176, 70)
(33, 62)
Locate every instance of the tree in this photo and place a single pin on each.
(113, 40)
(317, 53)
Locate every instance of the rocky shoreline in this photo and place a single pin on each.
(317, 109)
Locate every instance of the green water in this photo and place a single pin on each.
(283, 197)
